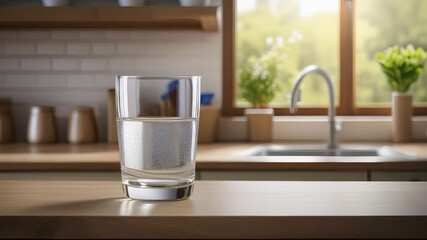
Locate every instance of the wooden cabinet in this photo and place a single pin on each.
(399, 176)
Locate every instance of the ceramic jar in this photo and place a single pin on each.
(82, 125)
(131, 3)
(194, 3)
(42, 125)
(55, 3)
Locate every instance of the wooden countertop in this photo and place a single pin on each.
(217, 209)
(104, 156)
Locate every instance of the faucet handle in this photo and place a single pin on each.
(338, 126)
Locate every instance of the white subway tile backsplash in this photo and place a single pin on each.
(97, 55)
(65, 34)
(105, 80)
(20, 48)
(63, 110)
(117, 34)
(94, 64)
(35, 34)
(9, 64)
(171, 35)
(92, 34)
(81, 80)
(131, 48)
(104, 48)
(51, 81)
(35, 64)
(79, 48)
(122, 64)
(20, 81)
(56, 97)
(50, 48)
(66, 64)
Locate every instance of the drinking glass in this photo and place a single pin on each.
(157, 126)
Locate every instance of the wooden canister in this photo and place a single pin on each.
(208, 124)
(82, 125)
(402, 117)
(260, 124)
(6, 122)
(112, 125)
(42, 126)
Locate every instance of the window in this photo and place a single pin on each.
(289, 35)
(383, 23)
(341, 36)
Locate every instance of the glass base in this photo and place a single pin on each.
(158, 193)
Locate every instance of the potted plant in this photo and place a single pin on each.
(258, 88)
(402, 66)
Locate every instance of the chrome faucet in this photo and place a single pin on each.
(332, 127)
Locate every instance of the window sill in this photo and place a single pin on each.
(314, 128)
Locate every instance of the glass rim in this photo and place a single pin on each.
(172, 77)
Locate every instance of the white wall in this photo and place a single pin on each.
(63, 68)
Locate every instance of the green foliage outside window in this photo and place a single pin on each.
(379, 24)
(275, 36)
(402, 66)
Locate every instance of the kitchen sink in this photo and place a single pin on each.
(319, 151)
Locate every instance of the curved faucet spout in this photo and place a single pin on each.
(331, 123)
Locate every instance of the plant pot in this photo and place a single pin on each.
(194, 3)
(131, 3)
(55, 3)
(208, 124)
(260, 124)
(402, 117)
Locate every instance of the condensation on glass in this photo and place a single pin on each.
(157, 124)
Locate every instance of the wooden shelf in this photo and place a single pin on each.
(179, 18)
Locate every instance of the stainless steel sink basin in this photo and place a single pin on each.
(319, 151)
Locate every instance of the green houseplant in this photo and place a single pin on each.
(402, 67)
(258, 88)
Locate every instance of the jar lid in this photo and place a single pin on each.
(42, 108)
(81, 108)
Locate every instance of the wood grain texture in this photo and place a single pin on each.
(347, 59)
(104, 156)
(228, 58)
(194, 18)
(216, 210)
